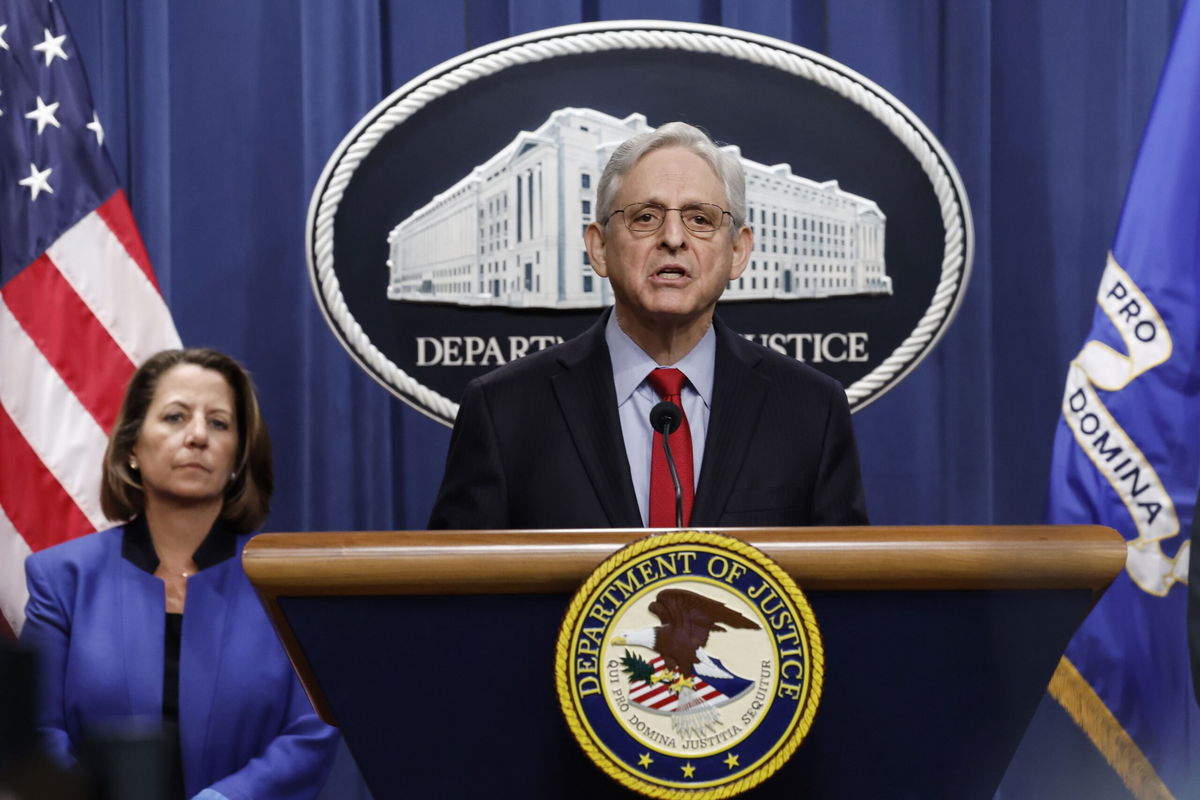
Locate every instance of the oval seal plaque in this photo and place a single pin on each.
(689, 665)
(445, 233)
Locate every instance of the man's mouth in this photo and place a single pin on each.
(671, 273)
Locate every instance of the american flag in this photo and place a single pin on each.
(79, 303)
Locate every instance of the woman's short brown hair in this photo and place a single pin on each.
(248, 496)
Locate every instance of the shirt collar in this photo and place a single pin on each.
(138, 549)
(631, 364)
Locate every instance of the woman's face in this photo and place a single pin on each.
(188, 441)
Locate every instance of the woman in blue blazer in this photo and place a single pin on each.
(155, 620)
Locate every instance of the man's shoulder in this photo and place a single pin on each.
(522, 369)
(778, 366)
(543, 363)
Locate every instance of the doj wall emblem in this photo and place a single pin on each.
(445, 235)
(689, 665)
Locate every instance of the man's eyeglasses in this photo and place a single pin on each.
(701, 218)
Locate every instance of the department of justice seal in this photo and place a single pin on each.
(689, 664)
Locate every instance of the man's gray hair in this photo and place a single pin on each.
(726, 165)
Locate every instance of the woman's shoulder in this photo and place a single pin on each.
(82, 550)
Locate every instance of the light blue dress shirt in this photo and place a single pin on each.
(635, 398)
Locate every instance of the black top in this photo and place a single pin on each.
(138, 549)
(174, 635)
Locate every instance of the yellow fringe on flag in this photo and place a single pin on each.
(1080, 700)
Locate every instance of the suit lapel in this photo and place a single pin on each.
(142, 617)
(206, 616)
(587, 399)
(738, 395)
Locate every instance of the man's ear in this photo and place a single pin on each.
(743, 246)
(595, 241)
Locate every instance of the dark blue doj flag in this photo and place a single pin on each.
(79, 304)
(1127, 454)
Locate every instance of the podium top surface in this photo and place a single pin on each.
(846, 558)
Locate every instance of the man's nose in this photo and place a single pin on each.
(673, 234)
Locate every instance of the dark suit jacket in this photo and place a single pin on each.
(97, 621)
(537, 444)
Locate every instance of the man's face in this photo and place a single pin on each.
(672, 275)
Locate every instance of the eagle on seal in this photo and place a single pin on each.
(687, 620)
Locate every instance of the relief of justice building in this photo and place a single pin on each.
(511, 232)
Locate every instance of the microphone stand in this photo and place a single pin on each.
(669, 423)
(674, 477)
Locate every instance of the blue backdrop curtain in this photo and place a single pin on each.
(220, 116)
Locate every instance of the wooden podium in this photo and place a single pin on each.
(433, 651)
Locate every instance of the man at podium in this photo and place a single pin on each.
(563, 438)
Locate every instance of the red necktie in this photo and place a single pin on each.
(669, 383)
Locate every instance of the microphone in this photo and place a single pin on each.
(665, 418)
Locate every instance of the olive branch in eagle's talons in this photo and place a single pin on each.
(638, 669)
(635, 666)
(680, 683)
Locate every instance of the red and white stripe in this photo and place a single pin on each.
(659, 695)
(73, 326)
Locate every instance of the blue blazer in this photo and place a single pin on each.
(246, 728)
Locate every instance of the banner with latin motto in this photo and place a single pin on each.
(1127, 454)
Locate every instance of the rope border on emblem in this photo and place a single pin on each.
(562, 649)
(957, 239)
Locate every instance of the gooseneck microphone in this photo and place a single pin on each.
(665, 418)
